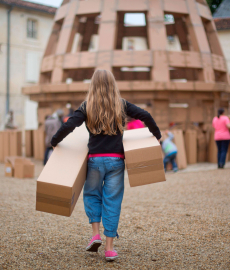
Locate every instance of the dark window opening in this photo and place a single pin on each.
(132, 73)
(85, 33)
(76, 75)
(220, 76)
(54, 37)
(131, 31)
(177, 32)
(212, 38)
(184, 74)
(45, 77)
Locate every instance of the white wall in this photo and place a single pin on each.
(224, 37)
(25, 58)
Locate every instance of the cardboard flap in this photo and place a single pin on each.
(12, 159)
(67, 159)
(22, 160)
(139, 139)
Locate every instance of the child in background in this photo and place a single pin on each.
(134, 124)
(170, 151)
(104, 113)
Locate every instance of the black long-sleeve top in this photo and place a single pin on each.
(101, 143)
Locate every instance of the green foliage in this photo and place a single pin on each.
(213, 4)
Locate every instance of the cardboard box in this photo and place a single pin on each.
(181, 154)
(9, 166)
(29, 143)
(143, 156)
(6, 143)
(43, 113)
(9, 170)
(191, 146)
(19, 167)
(39, 143)
(23, 168)
(61, 181)
(15, 143)
(1, 147)
(201, 147)
(212, 149)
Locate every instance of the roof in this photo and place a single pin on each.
(29, 5)
(222, 24)
(223, 11)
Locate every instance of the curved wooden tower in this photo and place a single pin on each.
(179, 71)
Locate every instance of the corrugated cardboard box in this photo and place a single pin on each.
(15, 143)
(201, 147)
(29, 143)
(61, 181)
(9, 168)
(143, 156)
(42, 113)
(39, 143)
(23, 168)
(181, 155)
(1, 147)
(191, 146)
(6, 143)
(19, 167)
(212, 149)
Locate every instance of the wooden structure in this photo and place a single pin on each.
(177, 86)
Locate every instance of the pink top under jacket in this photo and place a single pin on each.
(220, 126)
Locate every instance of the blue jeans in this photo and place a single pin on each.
(103, 192)
(222, 151)
(46, 157)
(171, 158)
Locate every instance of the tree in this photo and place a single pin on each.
(214, 4)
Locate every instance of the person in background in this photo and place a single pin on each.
(134, 124)
(52, 125)
(221, 124)
(9, 124)
(170, 151)
(71, 112)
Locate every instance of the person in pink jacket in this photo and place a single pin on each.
(134, 124)
(221, 124)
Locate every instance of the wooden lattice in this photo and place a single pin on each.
(200, 63)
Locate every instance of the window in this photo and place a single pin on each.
(31, 28)
(130, 45)
(32, 66)
(134, 19)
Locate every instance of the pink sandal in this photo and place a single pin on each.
(111, 255)
(94, 244)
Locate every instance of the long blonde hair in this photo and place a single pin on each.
(104, 108)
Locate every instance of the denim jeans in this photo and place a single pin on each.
(46, 157)
(222, 147)
(103, 192)
(171, 158)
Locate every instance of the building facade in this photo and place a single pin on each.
(173, 63)
(30, 27)
(222, 21)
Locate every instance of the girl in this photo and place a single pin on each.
(221, 124)
(104, 113)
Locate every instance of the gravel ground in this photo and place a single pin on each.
(183, 223)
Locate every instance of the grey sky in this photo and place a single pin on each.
(134, 19)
